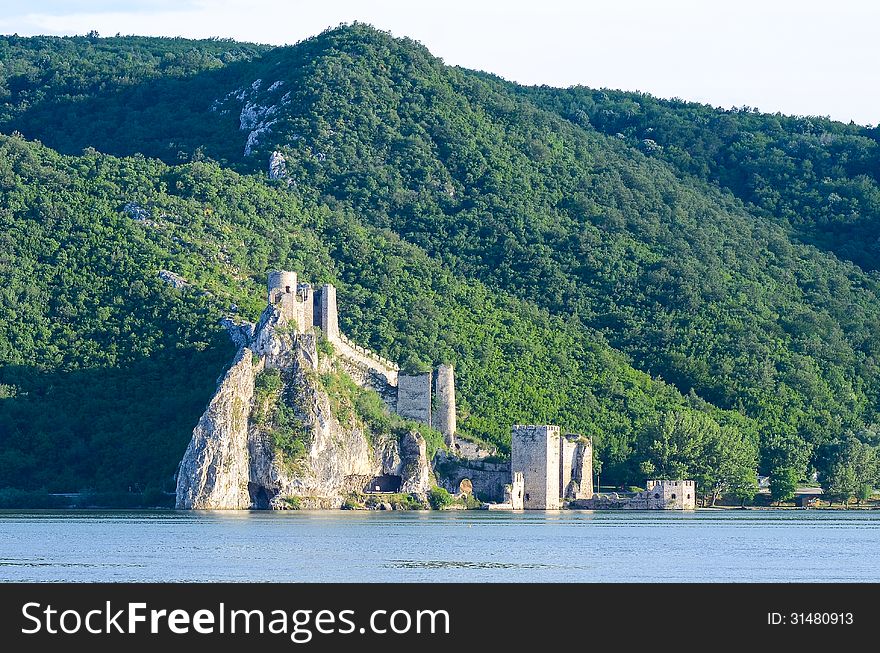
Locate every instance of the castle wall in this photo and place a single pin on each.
(289, 308)
(372, 370)
(659, 495)
(671, 495)
(414, 397)
(535, 452)
(444, 419)
(306, 307)
(517, 492)
(488, 479)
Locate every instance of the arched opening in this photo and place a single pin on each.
(383, 484)
(673, 496)
(287, 289)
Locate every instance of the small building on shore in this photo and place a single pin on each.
(658, 495)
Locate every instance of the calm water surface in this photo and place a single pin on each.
(706, 546)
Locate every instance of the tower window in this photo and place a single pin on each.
(673, 496)
(287, 289)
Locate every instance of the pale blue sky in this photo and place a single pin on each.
(806, 57)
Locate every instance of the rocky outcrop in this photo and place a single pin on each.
(415, 475)
(277, 166)
(214, 472)
(233, 461)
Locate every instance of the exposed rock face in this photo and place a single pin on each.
(214, 471)
(232, 461)
(414, 473)
(173, 279)
(277, 166)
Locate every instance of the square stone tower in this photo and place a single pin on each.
(534, 452)
(414, 397)
(671, 495)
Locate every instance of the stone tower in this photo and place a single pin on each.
(534, 452)
(281, 282)
(282, 294)
(414, 397)
(444, 419)
(328, 318)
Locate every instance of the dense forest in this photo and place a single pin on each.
(693, 287)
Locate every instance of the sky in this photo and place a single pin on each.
(804, 57)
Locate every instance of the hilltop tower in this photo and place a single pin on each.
(280, 283)
(328, 318)
(282, 293)
(293, 299)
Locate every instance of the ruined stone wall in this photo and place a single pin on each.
(306, 311)
(581, 485)
(327, 318)
(366, 358)
(517, 491)
(414, 397)
(659, 495)
(568, 446)
(488, 479)
(534, 451)
(444, 419)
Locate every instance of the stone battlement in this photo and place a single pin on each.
(306, 307)
(364, 353)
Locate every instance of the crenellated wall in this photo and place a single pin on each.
(412, 396)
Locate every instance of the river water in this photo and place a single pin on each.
(473, 546)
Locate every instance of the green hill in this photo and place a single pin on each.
(548, 242)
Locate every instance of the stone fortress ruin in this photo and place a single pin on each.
(550, 471)
(231, 462)
(427, 397)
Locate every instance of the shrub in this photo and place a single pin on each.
(439, 498)
(292, 503)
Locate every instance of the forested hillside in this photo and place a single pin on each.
(548, 242)
(106, 367)
(820, 177)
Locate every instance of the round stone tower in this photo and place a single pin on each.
(444, 418)
(281, 283)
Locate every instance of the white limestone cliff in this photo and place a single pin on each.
(231, 462)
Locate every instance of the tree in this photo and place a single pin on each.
(786, 458)
(847, 467)
(783, 483)
(727, 465)
(672, 444)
